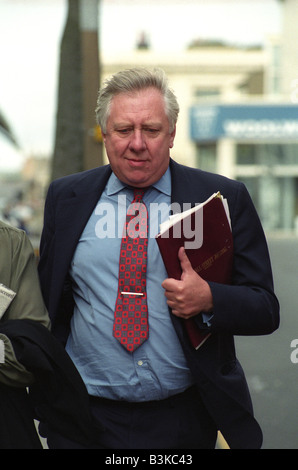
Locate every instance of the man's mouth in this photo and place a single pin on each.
(136, 162)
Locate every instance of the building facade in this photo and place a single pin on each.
(237, 118)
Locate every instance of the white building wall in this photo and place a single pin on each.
(289, 50)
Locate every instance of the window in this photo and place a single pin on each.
(267, 154)
(206, 156)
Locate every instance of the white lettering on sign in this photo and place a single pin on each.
(261, 128)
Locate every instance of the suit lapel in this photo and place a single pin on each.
(182, 192)
(185, 188)
(72, 215)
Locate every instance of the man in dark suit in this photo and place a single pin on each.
(163, 394)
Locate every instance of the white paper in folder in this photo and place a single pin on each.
(6, 297)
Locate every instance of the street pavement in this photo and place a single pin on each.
(271, 374)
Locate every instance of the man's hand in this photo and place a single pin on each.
(190, 295)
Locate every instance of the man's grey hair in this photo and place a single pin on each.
(133, 80)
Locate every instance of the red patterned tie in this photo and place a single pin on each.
(131, 313)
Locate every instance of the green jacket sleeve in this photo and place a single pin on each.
(18, 271)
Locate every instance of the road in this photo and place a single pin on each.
(272, 376)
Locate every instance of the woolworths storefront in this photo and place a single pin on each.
(257, 144)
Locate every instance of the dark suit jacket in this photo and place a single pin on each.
(247, 307)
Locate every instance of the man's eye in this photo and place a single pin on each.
(123, 131)
(151, 131)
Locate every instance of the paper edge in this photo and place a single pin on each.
(164, 226)
(2, 351)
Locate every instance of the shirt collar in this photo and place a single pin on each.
(163, 185)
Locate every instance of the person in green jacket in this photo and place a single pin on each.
(18, 274)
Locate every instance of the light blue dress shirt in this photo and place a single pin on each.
(157, 369)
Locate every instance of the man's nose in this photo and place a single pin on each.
(137, 141)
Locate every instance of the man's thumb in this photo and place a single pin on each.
(184, 261)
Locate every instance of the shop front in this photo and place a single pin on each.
(256, 144)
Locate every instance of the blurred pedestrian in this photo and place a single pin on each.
(20, 299)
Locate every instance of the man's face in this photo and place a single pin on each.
(138, 138)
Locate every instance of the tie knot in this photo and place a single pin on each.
(138, 194)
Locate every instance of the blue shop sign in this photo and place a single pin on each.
(239, 122)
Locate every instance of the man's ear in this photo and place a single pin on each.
(172, 138)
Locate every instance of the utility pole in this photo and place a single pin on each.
(89, 21)
(78, 145)
(68, 147)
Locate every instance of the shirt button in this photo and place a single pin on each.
(140, 363)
